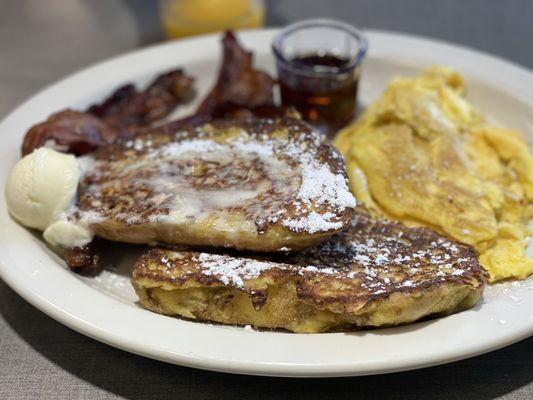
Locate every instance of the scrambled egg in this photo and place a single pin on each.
(423, 155)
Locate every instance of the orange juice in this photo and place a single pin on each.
(193, 17)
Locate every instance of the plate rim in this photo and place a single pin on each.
(16, 281)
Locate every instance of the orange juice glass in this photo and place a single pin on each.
(182, 18)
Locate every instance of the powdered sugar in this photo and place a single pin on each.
(316, 270)
(314, 222)
(176, 149)
(320, 185)
(305, 194)
(391, 258)
(231, 270)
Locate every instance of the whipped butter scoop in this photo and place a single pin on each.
(41, 189)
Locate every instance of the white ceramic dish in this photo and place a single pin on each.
(105, 307)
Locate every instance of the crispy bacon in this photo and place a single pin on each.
(129, 108)
(240, 91)
(178, 124)
(260, 112)
(71, 131)
(123, 113)
(84, 259)
(239, 85)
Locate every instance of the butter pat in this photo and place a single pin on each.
(68, 234)
(40, 189)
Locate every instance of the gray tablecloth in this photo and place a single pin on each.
(41, 41)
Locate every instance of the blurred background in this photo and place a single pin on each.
(45, 40)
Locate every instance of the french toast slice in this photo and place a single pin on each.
(255, 184)
(375, 273)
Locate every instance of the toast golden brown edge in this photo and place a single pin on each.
(376, 273)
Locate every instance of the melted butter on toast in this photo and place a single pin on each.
(254, 185)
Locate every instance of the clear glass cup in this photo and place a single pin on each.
(182, 18)
(319, 64)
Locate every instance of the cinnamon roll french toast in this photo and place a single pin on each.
(254, 184)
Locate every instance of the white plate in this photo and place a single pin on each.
(105, 307)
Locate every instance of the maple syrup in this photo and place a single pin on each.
(325, 95)
(319, 63)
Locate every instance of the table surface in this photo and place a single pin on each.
(40, 358)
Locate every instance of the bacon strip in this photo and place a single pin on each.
(123, 113)
(70, 131)
(241, 91)
(239, 85)
(128, 108)
(84, 259)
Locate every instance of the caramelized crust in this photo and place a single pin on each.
(376, 273)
